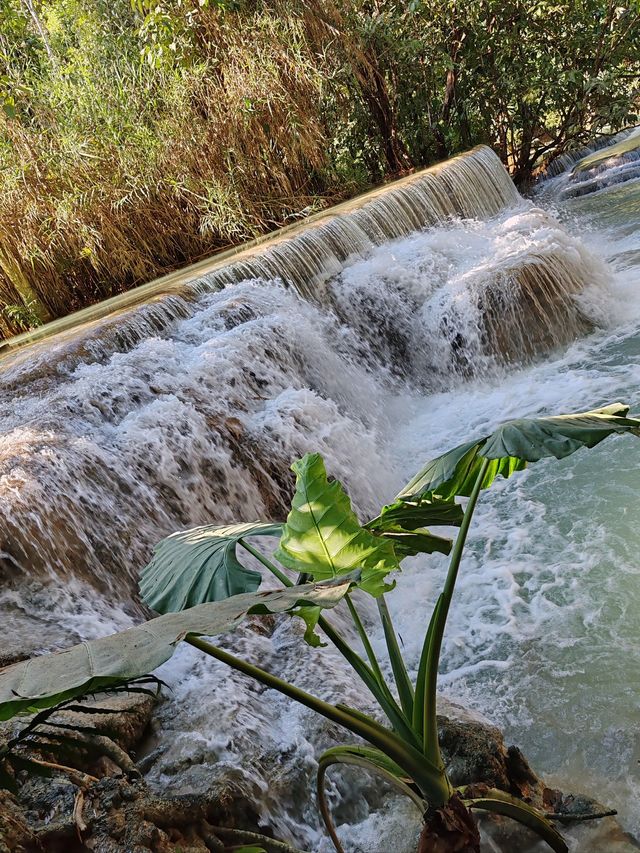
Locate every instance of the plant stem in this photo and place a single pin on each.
(431, 780)
(373, 680)
(461, 538)
(403, 682)
(278, 573)
(354, 659)
(357, 621)
(339, 755)
(379, 690)
(434, 637)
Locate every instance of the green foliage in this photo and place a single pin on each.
(210, 569)
(455, 473)
(529, 79)
(138, 136)
(511, 446)
(44, 681)
(405, 524)
(322, 537)
(168, 30)
(23, 316)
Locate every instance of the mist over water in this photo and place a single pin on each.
(410, 346)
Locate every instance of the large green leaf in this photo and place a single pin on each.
(48, 679)
(534, 438)
(511, 446)
(200, 565)
(420, 514)
(406, 523)
(410, 543)
(322, 536)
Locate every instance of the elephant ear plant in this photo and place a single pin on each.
(196, 580)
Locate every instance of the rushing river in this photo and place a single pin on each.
(429, 339)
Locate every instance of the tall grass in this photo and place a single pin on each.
(128, 172)
(137, 139)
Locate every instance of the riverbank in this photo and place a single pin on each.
(103, 804)
(138, 138)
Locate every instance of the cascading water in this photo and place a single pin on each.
(379, 337)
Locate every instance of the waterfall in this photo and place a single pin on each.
(566, 161)
(190, 407)
(587, 170)
(304, 255)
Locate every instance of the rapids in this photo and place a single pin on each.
(382, 337)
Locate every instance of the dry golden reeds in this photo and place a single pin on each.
(239, 147)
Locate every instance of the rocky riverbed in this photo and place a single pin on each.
(104, 804)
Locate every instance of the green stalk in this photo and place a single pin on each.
(419, 705)
(357, 621)
(266, 563)
(379, 690)
(400, 674)
(342, 755)
(433, 640)
(354, 659)
(373, 681)
(430, 780)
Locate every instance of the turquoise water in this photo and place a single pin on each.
(545, 633)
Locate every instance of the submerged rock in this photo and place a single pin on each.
(476, 752)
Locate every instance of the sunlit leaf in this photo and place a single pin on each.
(323, 537)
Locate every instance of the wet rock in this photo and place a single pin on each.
(106, 734)
(15, 833)
(76, 812)
(123, 718)
(120, 814)
(475, 751)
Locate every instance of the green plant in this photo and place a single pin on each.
(323, 542)
(23, 316)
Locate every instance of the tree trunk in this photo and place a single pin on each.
(375, 94)
(450, 829)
